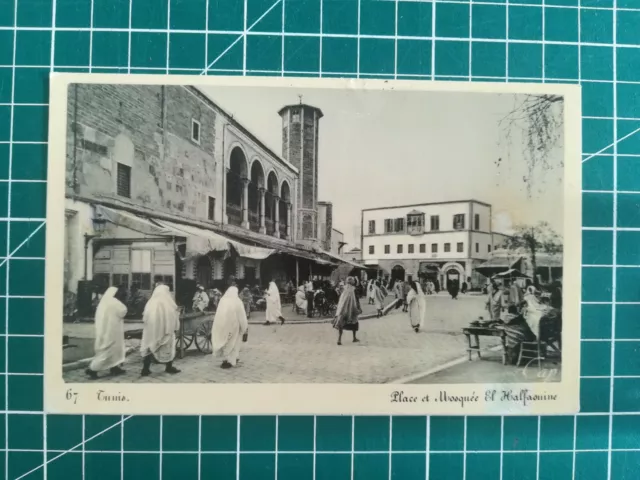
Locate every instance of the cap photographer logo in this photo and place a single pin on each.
(547, 374)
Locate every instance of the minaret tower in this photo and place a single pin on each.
(300, 148)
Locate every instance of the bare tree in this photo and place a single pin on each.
(539, 119)
(534, 239)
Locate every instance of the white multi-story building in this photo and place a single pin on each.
(443, 241)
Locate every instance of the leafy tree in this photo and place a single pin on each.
(534, 239)
(539, 120)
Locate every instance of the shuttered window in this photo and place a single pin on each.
(124, 180)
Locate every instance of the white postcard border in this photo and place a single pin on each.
(246, 399)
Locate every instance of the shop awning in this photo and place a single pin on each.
(278, 247)
(201, 242)
(426, 268)
(343, 261)
(132, 221)
(497, 264)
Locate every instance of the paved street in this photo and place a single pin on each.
(389, 349)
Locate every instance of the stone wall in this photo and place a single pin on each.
(149, 129)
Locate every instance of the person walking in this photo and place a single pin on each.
(109, 322)
(379, 294)
(161, 321)
(370, 293)
(274, 307)
(347, 311)
(417, 306)
(230, 327)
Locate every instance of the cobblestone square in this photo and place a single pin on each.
(308, 353)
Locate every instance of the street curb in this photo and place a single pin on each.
(67, 367)
(439, 368)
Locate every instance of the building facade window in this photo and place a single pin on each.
(423, 248)
(435, 223)
(394, 225)
(388, 225)
(415, 223)
(123, 181)
(410, 248)
(195, 131)
(387, 249)
(372, 227)
(399, 248)
(447, 247)
(489, 248)
(141, 268)
(477, 248)
(372, 250)
(476, 221)
(211, 209)
(458, 221)
(434, 248)
(460, 247)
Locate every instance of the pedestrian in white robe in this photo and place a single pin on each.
(161, 321)
(274, 307)
(371, 294)
(417, 302)
(230, 328)
(109, 345)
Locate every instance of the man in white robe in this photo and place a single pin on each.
(230, 328)
(274, 307)
(109, 344)
(161, 321)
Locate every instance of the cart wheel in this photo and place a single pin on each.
(203, 337)
(184, 340)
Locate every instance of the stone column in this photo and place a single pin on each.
(276, 216)
(288, 220)
(245, 203)
(263, 228)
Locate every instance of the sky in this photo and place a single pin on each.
(385, 148)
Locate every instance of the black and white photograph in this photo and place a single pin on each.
(316, 237)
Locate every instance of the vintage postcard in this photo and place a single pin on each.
(228, 245)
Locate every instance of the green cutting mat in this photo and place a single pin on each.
(592, 42)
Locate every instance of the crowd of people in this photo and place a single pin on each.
(524, 310)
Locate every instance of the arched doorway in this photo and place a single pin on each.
(236, 175)
(204, 271)
(397, 273)
(452, 274)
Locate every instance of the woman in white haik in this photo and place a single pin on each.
(109, 345)
(230, 327)
(417, 301)
(274, 307)
(161, 321)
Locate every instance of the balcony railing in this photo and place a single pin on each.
(234, 213)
